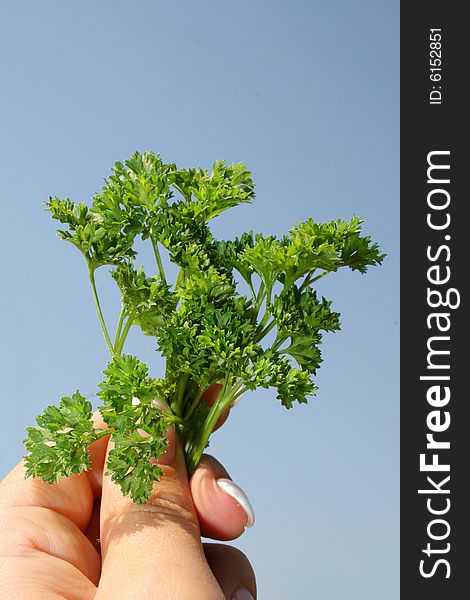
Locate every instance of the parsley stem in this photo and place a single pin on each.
(319, 276)
(309, 280)
(158, 259)
(178, 403)
(259, 301)
(266, 330)
(229, 392)
(261, 295)
(124, 333)
(240, 392)
(91, 273)
(171, 418)
(119, 328)
(195, 402)
(263, 321)
(306, 282)
(180, 277)
(277, 343)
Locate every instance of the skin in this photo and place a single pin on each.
(49, 548)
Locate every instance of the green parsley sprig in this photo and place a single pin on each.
(207, 330)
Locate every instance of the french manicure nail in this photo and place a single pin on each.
(241, 594)
(236, 492)
(158, 403)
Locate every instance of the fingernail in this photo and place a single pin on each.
(158, 403)
(241, 594)
(236, 492)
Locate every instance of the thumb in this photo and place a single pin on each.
(154, 550)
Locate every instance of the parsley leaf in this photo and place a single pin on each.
(59, 444)
(207, 330)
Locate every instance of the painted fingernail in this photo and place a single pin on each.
(241, 594)
(236, 492)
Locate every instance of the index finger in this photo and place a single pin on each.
(71, 497)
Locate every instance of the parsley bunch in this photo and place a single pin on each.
(207, 330)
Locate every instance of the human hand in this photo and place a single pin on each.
(80, 539)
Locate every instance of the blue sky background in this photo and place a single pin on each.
(307, 95)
